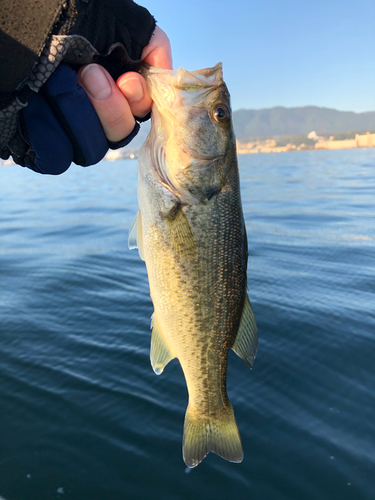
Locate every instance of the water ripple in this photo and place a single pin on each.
(81, 408)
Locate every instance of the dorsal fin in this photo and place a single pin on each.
(136, 236)
(246, 343)
(160, 353)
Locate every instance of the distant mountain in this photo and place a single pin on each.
(251, 123)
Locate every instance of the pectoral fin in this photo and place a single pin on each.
(160, 353)
(180, 234)
(246, 343)
(136, 235)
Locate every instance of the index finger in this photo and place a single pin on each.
(158, 52)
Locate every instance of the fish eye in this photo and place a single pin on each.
(221, 113)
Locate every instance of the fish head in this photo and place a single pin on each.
(192, 140)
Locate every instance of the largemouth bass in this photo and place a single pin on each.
(191, 233)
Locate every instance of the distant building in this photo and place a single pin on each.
(3, 163)
(313, 135)
(345, 144)
(119, 154)
(365, 141)
(361, 141)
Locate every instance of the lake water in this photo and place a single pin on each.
(84, 417)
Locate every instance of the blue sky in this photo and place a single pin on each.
(278, 53)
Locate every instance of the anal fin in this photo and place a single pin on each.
(160, 353)
(246, 343)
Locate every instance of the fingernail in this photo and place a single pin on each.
(95, 82)
(132, 89)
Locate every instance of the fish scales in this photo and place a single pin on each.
(191, 233)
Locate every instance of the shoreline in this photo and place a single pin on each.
(259, 149)
(314, 142)
(283, 150)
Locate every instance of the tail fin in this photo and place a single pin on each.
(202, 435)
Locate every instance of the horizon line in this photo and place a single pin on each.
(302, 107)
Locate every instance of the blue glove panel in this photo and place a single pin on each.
(63, 126)
(53, 149)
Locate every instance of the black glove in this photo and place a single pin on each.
(36, 36)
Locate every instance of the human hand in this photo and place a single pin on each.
(46, 120)
(117, 105)
(65, 122)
